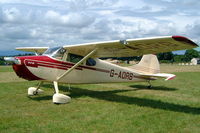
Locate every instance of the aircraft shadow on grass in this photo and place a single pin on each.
(144, 87)
(112, 96)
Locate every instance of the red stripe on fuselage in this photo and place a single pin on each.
(45, 61)
(36, 63)
(58, 67)
(96, 69)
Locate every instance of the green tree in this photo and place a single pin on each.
(168, 56)
(179, 58)
(2, 62)
(191, 53)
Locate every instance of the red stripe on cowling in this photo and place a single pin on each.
(23, 72)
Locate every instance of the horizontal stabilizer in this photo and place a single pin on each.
(159, 75)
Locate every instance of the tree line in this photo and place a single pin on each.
(167, 57)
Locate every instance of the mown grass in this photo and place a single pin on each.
(170, 106)
(6, 69)
(179, 68)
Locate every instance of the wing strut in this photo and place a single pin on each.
(77, 64)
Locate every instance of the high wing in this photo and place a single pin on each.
(133, 47)
(129, 47)
(38, 50)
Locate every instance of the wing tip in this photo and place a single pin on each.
(184, 39)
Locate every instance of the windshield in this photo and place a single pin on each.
(50, 51)
(56, 52)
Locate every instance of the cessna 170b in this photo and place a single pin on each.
(80, 64)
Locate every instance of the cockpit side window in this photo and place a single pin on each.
(74, 58)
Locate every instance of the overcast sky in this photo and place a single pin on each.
(61, 22)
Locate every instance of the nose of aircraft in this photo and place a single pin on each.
(20, 68)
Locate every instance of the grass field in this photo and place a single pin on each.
(170, 106)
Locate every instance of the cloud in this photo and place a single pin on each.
(17, 34)
(61, 22)
(193, 30)
(11, 15)
(76, 20)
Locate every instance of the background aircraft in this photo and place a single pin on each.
(80, 64)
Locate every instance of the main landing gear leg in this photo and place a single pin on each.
(35, 90)
(149, 86)
(69, 87)
(59, 98)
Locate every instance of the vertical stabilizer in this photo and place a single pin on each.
(148, 64)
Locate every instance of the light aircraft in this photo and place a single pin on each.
(80, 64)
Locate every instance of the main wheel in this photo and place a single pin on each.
(61, 98)
(149, 87)
(33, 91)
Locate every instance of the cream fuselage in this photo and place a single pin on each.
(49, 69)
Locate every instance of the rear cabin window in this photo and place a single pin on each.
(90, 62)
